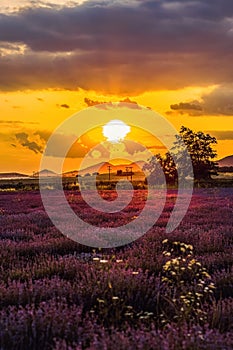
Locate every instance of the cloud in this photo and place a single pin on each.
(64, 105)
(195, 105)
(91, 103)
(15, 122)
(132, 147)
(23, 139)
(43, 134)
(119, 48)
(78, 149)
(222, 135)
(36, 142)
(61, 142)
(134, 104)
(218, 102)
(11, 122)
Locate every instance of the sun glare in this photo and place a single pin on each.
(115, 131)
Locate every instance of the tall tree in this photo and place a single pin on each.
(200, 149)
(158, 164)
(202, 153)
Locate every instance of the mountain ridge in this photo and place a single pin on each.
(100, 167)
(103, 167)
(226, 161)
(12, 175)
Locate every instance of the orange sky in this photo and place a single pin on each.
(40, 111)
(48, 70)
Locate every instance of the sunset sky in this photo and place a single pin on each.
(59, 57)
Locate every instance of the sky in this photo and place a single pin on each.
(60, 57)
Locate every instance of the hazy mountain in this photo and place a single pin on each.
(90, 170)
(72, 173)
(45, 173)
(226, 161)
(12, 176)
(102, 168)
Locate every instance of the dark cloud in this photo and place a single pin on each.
(40, 99)
(91, 25)
(23, 139)
(11, 122)
(133, 147)
(91, 103)
(116, 48)
(61, 142)
(36, 142)
(43, 134)
(187, 106)
(15, 122)
(134, 104)
(222, 135)
(78, 149)
(64, 105)
(219, 102)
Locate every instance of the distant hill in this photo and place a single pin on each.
(226, 161)
(72, 173)
(12, 176)
(102, 168)
(45, 173)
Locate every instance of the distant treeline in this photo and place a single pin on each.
(225, 169)
(104, 185)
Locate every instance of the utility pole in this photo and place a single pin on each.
(131, 172)
(127, 170)
(109, 171)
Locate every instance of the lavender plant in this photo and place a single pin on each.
(187, 285)
(58, 294)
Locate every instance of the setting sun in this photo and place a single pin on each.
(116, 131)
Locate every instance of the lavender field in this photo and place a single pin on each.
(164, 291)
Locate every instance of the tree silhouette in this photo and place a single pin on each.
(167, 164)
(200, 149)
